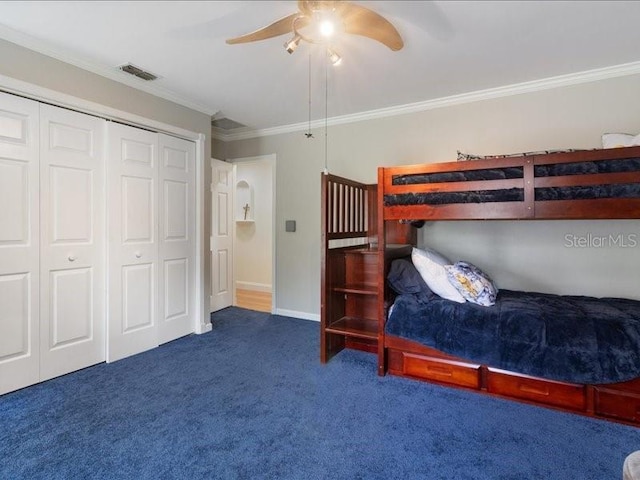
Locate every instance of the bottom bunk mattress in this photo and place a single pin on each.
(566, 338)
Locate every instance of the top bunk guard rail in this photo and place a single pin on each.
(345, 207)
(587, 184)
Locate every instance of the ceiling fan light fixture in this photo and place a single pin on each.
(347, 18)
(327, 28)
(334, 58)
(292, 44)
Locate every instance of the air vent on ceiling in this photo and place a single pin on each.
(138, 72)
(224, 123)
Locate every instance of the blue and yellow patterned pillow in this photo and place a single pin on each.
(472, 283)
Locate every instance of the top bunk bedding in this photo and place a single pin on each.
(578, 184)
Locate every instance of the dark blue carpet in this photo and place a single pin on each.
(251, 400)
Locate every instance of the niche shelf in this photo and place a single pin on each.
(244, 202)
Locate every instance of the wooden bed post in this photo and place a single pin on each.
(394, 241)
(323, 267)
(381, 272)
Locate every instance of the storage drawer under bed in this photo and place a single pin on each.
(435, 369)
(617, 404)
(549, 392)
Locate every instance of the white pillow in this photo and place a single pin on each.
(472, 283)
(615, 140)
(430, 264)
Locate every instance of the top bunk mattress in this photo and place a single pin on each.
(490, 194)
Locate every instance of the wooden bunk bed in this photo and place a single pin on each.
(589, 184)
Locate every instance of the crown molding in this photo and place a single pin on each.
(112, 73)
(491, 93)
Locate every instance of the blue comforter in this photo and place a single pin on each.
(568, 338)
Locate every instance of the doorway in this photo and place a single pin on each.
(243, 233)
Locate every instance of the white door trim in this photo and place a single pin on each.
(202, 317)
(36, 92)
(271, 159)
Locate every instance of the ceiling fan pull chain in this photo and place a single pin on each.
(326, 110)
(309, 134)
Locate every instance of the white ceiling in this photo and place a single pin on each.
(451, 48)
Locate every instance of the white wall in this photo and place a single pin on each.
(254, 241)
(520, 255)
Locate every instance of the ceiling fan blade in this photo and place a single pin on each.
(362, 21)
(305, 8)
(277, 28)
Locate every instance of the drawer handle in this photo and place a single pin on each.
(71, 258)
(442, 371)
(138, 255)
(535, 390)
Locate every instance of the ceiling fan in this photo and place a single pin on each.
(325, 17)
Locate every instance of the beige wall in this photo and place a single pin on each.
(28, 66)
(298, 166)
(519, 255)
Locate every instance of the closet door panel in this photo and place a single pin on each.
(19, 243)
(18, 344)
(138, 223)
(72, 241)
(177, 238)
(133, 241)
(71, 312)
(14, 193)
(138, 310)
(71, 211)
(18, 128)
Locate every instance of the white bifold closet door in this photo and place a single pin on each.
(73, 235)
(51, 242)
(72, 265)
(132, 178)
(177, 201)
(19, 243)
(151, 180)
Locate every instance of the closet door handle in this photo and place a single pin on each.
(138, 254)
(71, 258)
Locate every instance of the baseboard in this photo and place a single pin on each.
(203, 328)
(301, 315)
